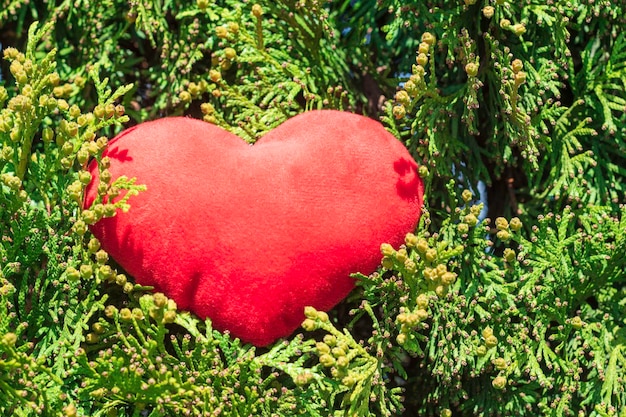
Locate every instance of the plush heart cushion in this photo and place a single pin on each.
(250, 235)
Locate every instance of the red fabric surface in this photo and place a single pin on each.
(250, 235)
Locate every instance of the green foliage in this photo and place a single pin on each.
(521, 104)
(131, 363)
(522, 314)
(515, 330)
(219, 53)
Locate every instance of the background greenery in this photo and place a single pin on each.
(520, 313)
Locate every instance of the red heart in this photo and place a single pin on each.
(250, 235)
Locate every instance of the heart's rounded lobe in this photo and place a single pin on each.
(250, 235)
